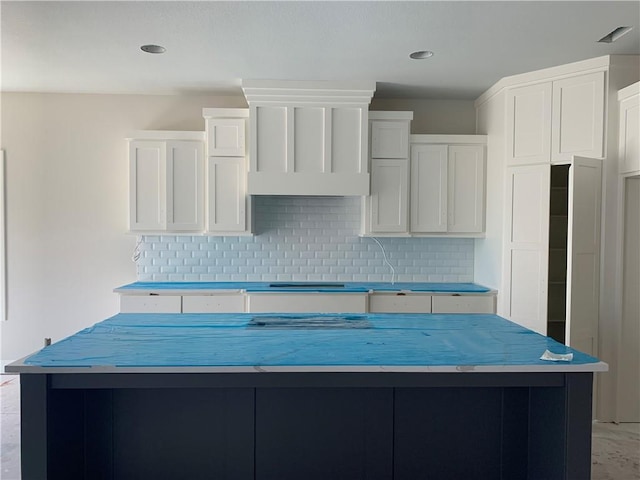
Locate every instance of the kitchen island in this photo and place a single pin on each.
(271, 396)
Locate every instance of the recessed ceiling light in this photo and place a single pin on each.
(615, 35)
(421, 54)
(153, 49)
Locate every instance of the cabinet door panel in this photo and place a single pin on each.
(526, 246)
(583, 254)
(630, 135)
(463, 304)
(528, 125)
(389, 196)
(428, 188)
(226, 137)
(150, 304)
(389, 139)
(221, 303)
(394, 303)
(465, 204)
(227, 194)
(578, 117)
(147, 177)
(185, 186)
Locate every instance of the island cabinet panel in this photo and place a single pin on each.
(233, 303)
(324, 433)
(150, 304)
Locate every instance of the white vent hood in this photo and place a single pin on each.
(308, 138)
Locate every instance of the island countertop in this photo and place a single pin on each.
(259, 343)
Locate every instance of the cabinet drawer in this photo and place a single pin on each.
(394, 303)
(150, 304)
(307, 303)
(463, 304)
(213, 303)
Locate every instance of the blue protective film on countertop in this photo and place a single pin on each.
(183, 340)
(347, 287)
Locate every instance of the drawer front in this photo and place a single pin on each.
(463, 304)
(213, 303)
(150, 304)
(307, 303)
(393, 303)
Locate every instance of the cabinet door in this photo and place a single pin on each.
(227, 194)
(185, 186)
(465, 204)
(226, 137)
(630, 135)
(147, 180)
(583, 254)
(526, 246)
(389, 139)
(429, 188)
(578, 117)
(389, 195)
(463, 304)
(528, 130)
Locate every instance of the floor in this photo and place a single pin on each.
(615, 456)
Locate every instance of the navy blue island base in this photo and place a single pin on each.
(268, 396)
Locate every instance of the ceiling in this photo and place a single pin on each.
(94, 47)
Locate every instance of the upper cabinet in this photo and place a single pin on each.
(629, 146)
(308, 138)
(549, 122)
(228, 205)
(436, 188)
(166, 181)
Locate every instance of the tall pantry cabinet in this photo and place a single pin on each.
(547, 146)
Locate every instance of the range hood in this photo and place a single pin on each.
(308, 138)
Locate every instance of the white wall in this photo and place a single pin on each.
(453, 117)
(66, 200)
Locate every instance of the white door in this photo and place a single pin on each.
(583, 254)
(147, 185)
(465, 204)
(389, 139)
(429, 188)
(389, 195)
(528, 130)
(227, 194)
(629, 149)
(578, 117)
(185, 186)
(526, 246)
(629, 374)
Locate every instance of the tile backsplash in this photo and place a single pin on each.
(304, 239)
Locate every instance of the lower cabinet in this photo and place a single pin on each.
(150, 304)
(307, 302)
(463, 304)
(223, 303)
(393, 302)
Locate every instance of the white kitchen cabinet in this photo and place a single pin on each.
(166, 181)
(307, 302)
(399, 302)
(150, 304)
(545, 231)
(389, 195)
(528, 130)
(214, 303)
(429, 188)
(463, 304)
(577, 123)
(551, 121)
(389, 138)
(447, 184)
(629, 128)
(227, 199)
(308, 138)
(228, 205)
(225, 136)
